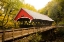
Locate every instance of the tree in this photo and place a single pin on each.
(43, 11)
(7, 7)
(28, 6)
(54, 9)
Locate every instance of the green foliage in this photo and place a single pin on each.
(55, 10)
(61, 23)
(43, 11)
(28, 6)
(60, 33)
(8, 9)
(35, 38)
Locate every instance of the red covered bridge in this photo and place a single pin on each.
(27, 18)
(30, 18)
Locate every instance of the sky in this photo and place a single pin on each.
(38, 4)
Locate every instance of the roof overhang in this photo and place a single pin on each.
(36, 16)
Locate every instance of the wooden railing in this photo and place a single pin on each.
(15, 33)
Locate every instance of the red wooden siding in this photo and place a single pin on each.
(23, 14)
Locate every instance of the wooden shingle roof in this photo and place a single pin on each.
(36, 15)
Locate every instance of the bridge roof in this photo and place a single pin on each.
(36, 15)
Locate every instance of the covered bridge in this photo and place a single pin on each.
(28, 18)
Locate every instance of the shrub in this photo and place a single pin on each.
(35, 38)
(61, 23)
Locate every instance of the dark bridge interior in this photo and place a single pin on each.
(25, 23)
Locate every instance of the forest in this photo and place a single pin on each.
(54, 9)
(9, 8)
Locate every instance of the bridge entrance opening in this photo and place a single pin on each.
(25, 22)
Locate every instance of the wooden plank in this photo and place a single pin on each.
(0, 40)
(15, 33)
(0, 37)
(1, 31)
